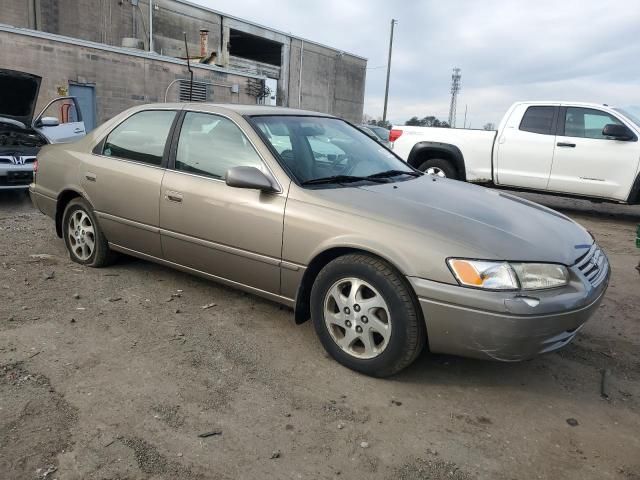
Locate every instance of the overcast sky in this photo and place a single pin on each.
(585, 50)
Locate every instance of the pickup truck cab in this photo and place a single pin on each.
(563, 148)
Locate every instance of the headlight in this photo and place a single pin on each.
(493, 275)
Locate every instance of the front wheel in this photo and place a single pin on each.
(366, 315)
(83, 237)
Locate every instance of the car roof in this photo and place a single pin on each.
(239, 109)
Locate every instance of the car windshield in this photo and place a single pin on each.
(630, 116)
(315, 149)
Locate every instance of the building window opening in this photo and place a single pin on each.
(252, 47)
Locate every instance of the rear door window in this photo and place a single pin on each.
(539, 119)
(141, 138)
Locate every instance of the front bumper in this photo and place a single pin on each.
(507, 326)
(15, 176)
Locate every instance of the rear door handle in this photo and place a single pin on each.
(564, 144)
(174, 197)
(90, 176)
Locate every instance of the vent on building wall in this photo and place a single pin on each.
(200, 91)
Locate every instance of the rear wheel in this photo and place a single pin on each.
(366, 315)
(439, 167)
(83, 237)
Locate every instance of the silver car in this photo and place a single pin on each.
(22, 134)
(305, 209)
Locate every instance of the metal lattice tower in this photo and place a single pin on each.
(455, 89)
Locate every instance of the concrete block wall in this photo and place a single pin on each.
(121, 80)
(332, 81)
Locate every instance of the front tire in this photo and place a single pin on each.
(439, 167)
(366, 315)
(83, 237)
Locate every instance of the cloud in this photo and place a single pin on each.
(508, 51)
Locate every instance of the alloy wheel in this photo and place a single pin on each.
(81, 234)
(436, 172)
(357, 317)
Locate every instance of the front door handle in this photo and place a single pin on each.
(564, 144)
(173, 197)
(79, 130)
(90, 176)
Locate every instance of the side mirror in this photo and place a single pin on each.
(249, 177)
(48, 122)
(619, 132)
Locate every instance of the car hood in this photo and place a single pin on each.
(472, 221)
(18, 96)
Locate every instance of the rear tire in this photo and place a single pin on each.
(83, 236)
(366, 315)
(439, 167)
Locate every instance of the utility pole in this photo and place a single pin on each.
(455, 89)
(150, 25)
(386, 90)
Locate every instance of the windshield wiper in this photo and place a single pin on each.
(393, 173)
(341, 179)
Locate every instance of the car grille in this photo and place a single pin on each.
(16, 160)
(593, 265)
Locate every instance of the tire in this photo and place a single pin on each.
(393, 347)
(444, 168)
(79, 217)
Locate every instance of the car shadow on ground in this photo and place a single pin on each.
(16, 198)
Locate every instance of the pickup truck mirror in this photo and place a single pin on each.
(249, 177)
(619, 132)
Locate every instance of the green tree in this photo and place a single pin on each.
(428, 121)
(380, 123)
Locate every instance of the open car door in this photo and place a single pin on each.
(60, 121)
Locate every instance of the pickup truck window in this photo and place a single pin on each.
(587, 122)
(629, 115)
(539, 120)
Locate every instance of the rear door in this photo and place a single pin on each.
(588, 163)
(122, 179)
(232, 233)
(524, 148)
(66, 111)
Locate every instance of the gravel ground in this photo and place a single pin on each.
(117, 373)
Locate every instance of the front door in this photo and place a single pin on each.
(122, 180)
(61, 121)
(524, 151)
(234, 234)
(588, 163)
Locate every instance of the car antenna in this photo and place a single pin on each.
(186, 48)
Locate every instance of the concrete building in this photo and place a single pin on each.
(114, 54)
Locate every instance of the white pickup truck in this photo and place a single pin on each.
(573, 149)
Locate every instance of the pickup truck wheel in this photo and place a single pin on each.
(366, 315)
(440, 168)
(82, 235)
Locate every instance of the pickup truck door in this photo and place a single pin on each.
(524, 147)
(588, 163)
(60, 121)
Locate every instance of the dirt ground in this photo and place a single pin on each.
(116, 373)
